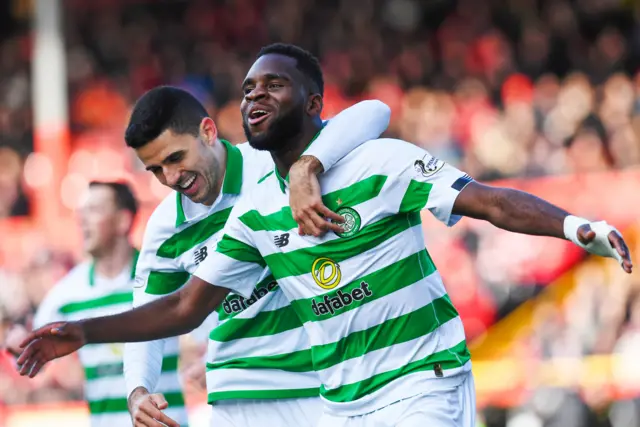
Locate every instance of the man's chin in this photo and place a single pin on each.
(262, 142)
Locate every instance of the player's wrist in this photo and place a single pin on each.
(308, 165)
(570, 227)
(137, 393)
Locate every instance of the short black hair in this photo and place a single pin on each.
(305, 62)
(162, 108)
(123, 195)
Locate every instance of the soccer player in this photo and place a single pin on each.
(258, 364)
(386, 341)
(102, 286)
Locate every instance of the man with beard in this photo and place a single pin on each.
(386, 341)
(249, 375)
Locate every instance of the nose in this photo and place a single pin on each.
(171, 175)
(257, 93)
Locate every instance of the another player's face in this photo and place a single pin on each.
(101, 221)
(273, 107)
(185, 163)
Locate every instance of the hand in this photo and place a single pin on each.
(306, 201)
(146, 409)
(613, 247)
(47, 343)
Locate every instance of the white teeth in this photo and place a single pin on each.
(188, 182)
(258, 113)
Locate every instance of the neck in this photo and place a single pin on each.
(111, 263)
(219, 156)
(294, 148)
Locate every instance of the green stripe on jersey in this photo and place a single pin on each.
(300, 261)
(113, 299)
(352, 195)
(111, 405)
(263, 394)
(354, 391)
(191, 236)
(169, 364)
(296, 361)
(240, 251)
(416, 196)
(356, 193)
(263, 324)
(162, 283)
(394, 331)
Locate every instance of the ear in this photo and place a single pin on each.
(315, 104)
(208, 130)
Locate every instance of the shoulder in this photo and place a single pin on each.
(164, 216)
(387, 156)
(256, 163)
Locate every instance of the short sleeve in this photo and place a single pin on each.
(236, 263)
(421, 181)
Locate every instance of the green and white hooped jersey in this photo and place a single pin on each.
(257, 346)
(82, 295)
(381, 325)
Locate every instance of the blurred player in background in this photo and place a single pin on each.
(258, 369)
(102, 286)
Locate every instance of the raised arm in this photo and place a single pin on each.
(342, 134)
(168, 316)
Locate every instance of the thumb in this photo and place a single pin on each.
(586, 234)
(159, 400)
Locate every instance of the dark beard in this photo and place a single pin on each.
(281, 131)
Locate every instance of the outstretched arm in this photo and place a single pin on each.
(169, 316)
(425, 182)
(525, 213)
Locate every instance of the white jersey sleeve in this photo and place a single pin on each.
(421, 181)
(154, 278)
(352, 127)
(236, 264)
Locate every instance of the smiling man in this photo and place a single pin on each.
(249, 374)
(390, 350)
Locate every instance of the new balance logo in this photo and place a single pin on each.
(199, 255)
(281, 240)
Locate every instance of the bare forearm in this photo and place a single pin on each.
(525, 213)
(511, 210)
(158, 319)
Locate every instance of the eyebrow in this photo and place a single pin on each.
(268, 77)
(165, 160)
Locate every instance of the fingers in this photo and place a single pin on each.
(154, 416)
(618, 243)
(35, 368)
(32, 336)
(314, 221)
(148, 418)
(27, 353)
(586, 234)
(148, 412)
(328, 213)
(159, 400)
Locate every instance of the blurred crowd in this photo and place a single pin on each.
(500, 88)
